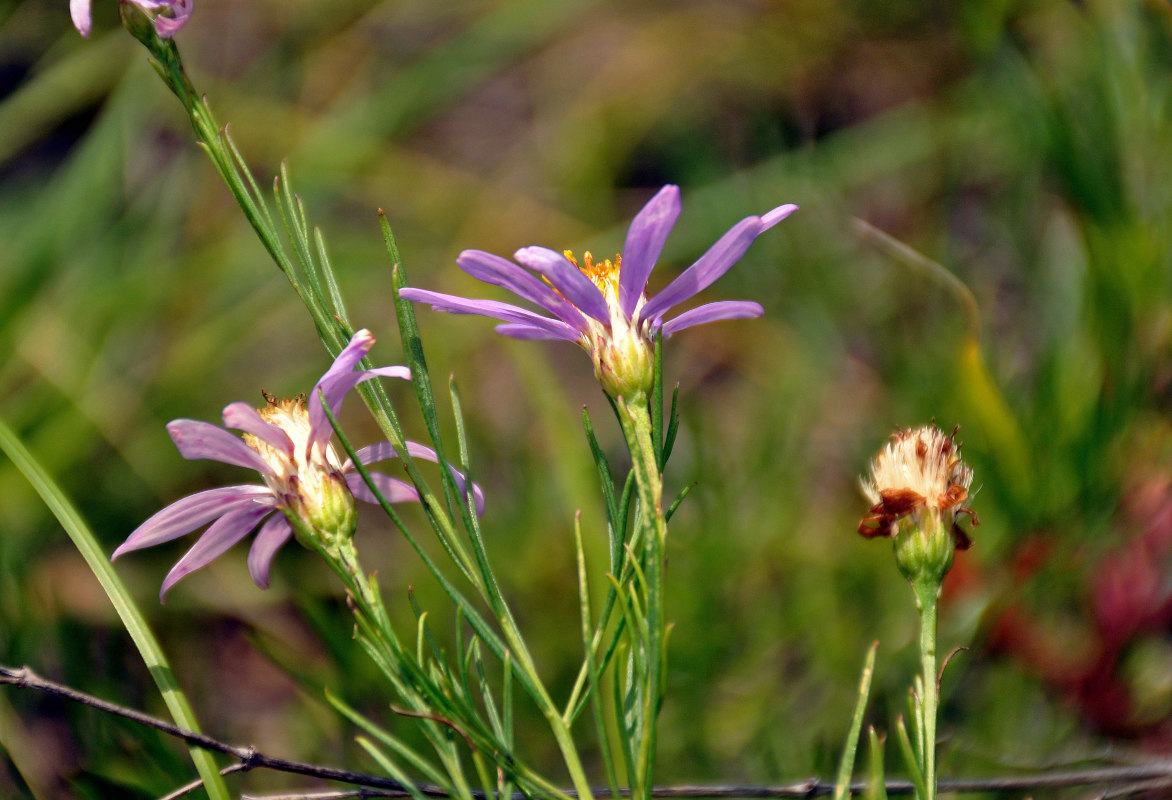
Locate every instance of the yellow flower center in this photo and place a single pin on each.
(603, 274)
(621, 351)
(309, 480)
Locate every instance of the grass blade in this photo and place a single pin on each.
(842, 786)
(132, 618)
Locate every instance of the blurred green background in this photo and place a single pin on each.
(1026, 146)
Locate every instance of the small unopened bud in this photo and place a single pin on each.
(139, 24)
(917, 486)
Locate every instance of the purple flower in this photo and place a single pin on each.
(603, 306)
(169, 15)
(288, 443)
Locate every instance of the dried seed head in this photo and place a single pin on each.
(916, 488)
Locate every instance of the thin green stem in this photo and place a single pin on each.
(927, 601)
(636, 421)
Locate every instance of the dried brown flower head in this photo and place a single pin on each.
(917, 485)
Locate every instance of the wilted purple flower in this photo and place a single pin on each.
(169, 15)
(602, 305)
(288, 443)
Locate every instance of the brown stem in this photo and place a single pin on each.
(1127, 778)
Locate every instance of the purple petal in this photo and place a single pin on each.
(726, 309)
(269, 539)
(771, 218)
(166, 27)
(82, 20)
(223, 533)
(344, 364)
(517, 330)
(504, 273)
(184, 516)
(645, 239)
(393, 490)
(489, 308)
(339, 379)
(319, 424)
(381, 451)
(244, 417)
(373, 453)
(567, 279)
(196, 439)
(710, 266)
(417, 450)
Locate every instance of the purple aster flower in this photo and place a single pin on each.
(168, 15)
(603, 305)
(288, 443)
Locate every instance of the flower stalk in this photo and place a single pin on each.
(927, 601)
(917, 486)
(635, 420)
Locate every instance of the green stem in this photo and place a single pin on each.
(927, 601)
(635, 419)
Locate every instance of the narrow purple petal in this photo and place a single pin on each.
(184, 516)
(269, 539)
(393, 490)
(196, 439)
(344, 364)
(417, 450)
(166, 27)
(82, 20)
(771, 218)
(339, 379)
(381, 451)
(372, 454)
(319, 424)
(244, 417)
(710, 266)
(488, 308)
(726, 309)
(517, 330)
(645, 240)
(223, 533)
(504, 273)
(567, 279)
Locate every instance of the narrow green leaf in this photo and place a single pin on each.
(390, 767)
(846, 766)
(606, 481)
(437, 652)
(877, 783)
(133, 620)
(469, 498)
(417, 762)
(420, 377)
(910, 759)
(625, 509)
(667, 515)
(332, 286)
(673, 426)
(507, 699)
(626, 737)
(594, 689)
(494, 717)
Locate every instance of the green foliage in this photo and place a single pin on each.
(1020, 145)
